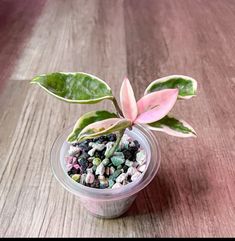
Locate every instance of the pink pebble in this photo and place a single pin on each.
(76, 166)
(68, 159)
(69, 166)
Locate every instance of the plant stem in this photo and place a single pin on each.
(118, 109)
(116, 144)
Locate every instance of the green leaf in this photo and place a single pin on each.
(103, 128)
(172, 126)
(187, 86)
(76, 87)
(87, 119)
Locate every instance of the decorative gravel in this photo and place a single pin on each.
(87, 165)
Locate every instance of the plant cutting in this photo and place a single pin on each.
(100, 154)
(115, 151)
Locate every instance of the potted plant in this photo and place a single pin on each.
(106, 158)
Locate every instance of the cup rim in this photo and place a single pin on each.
(130, 189)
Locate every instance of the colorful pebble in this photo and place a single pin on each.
(106, 161)
(141, 157)
(104, 183)
(141, 168)
(90, 178)
(135, 176)
(87, 164)
(76, 177)
(118, 159)
(121, 178)
(100, 169)
(73, 150)
(96, 161)
(109, 145)
(131, 171)
(129, 163)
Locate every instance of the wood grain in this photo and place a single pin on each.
(193, 194)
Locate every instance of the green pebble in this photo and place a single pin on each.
(76, 177)
(117, 160)
(111, 183)
(96, 161)
(115, 175)
(106, 161)
(126, 146)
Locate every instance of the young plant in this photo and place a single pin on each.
(151, 110)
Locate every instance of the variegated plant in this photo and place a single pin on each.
(151, 110)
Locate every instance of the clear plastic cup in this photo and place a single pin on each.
(108, 203)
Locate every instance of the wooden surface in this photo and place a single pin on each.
(193, 194)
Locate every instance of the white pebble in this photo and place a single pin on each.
(116, 185)
(109, 145)
(131, 171)
(95, 147)
(129, 163)
(141, 157)
(124, 141)
(73, 150)
(135, 176)
(89, 178)
(132, 144)
(91, 152)
(100, 169)
(83, 178)
(141, 168)
(121, 178)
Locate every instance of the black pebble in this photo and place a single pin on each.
(73, 171)
(84, 155)
(102, 139)
(85, 147)
(128, 154)
(129, 179)
(137, 144)
(133, 149)
(125, 168)
(112, 137)
(84, 164)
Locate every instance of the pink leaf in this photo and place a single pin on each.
(128, 102)
(156, 105)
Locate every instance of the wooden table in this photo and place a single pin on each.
(193, 194)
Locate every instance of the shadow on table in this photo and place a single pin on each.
(168, 190)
